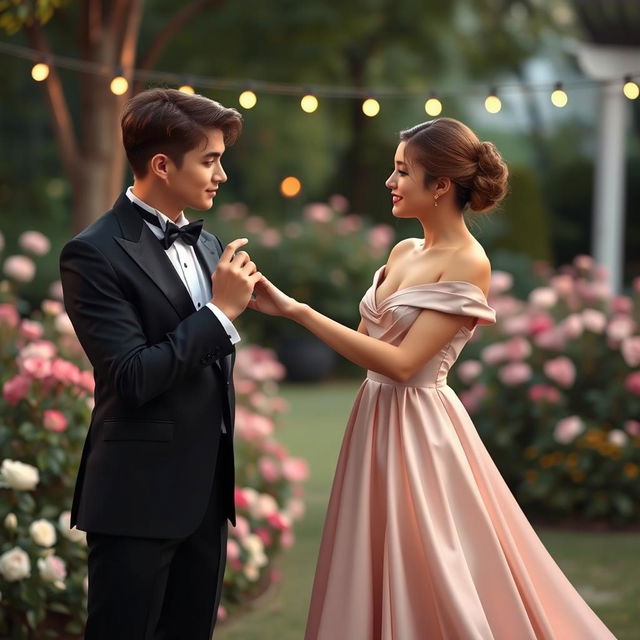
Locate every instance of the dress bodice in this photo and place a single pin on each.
(391, 318)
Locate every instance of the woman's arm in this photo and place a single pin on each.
(396, 362)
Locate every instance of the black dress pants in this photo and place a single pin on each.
(157, 589)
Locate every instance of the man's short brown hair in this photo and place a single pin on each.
(171, 122)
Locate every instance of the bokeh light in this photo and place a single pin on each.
(187, 88)
(493, 104)
(559, 97)
(631, 90)
(290, 187)
(40, 71)
(433, 107)
(309, 103)
(371, 107)
(119, 85)
(248, 99)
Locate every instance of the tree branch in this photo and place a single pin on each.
(62, 123)
(172, 27)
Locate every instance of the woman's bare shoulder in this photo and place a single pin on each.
(469, 265)
(403, 247)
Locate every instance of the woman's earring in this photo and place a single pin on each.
(435, 198)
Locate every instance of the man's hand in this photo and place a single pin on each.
(234, 279)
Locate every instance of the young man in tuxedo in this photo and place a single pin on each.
(153, 299)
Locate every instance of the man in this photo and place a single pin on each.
(152, 300)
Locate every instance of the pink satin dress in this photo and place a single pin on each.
(423, 540)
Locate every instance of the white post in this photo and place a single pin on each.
(609, 186)
(608, 64)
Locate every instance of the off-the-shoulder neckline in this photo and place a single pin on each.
(376, 284)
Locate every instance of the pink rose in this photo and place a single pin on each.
(52, 569)
(52, 307)
(471, 398)
(539, 322)
(87, 381)
(568, 429)
(543, 298)
(515, 373)
(9, 316)
(264, 535)
(594, 320)
(37, 368)
(572, 326)
(561, 370)
(544, 393)
(620, 327)
(617, 437)
(55, 290)
(348, 224)
(54, 421)
(255, 224)
(632, 427)
(31, 330)
(469, 370)
(621, 304)
(518, 348)
(65, 372)
(63, 325)
(240, 499)
(279, 521)
(242, 529)
(295, 469)
(552, 340)
(630, 349)
(287, 539)
(516, 325)
(318, 212)
(15, 389)
(34, 242)
(339, 203)
(39, 349)
(380, 236)
(632, 383)
(222, 614)
(19, 268)
(584, 262)
(270, 238)
(268, 469)
(233, 549)
(501, 281)
(494, 353)
(562, 284)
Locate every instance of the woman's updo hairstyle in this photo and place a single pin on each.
(446, 148)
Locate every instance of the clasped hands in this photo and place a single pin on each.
(236, 279)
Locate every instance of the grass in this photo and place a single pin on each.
(603, 567)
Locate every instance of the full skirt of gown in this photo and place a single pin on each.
(423, 540)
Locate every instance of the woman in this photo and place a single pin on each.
(423, 539)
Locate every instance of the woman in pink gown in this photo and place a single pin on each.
(423, 540)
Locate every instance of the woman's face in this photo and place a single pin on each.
(410, 197)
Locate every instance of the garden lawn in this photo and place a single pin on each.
(604, 567)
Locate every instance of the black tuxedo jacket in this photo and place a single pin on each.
(164, 385)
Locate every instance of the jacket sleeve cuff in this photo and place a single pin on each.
(234, 336)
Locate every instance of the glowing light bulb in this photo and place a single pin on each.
(371, 107)
(187, 88)
(631, 89)
(290, 187)
(433, 107)
(309, 103)
(493, 104)
(559, 98)
(248, 99)
(119, 85)
(40, 71)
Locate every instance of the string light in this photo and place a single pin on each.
(40, 71)
(309, 103)
(119, 84)
(371, 107)
(630, 89)
(248, 99)
(290, 187)
(492, 103)
(433, 106)
(559, 97)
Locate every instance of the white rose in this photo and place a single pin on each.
(251, 572)
(52, 569)
(75, 535)
(43, 533)
(543, 297)
(264, 506)
(15, 565)
(11, 522)
(19, 476)
(253, 544)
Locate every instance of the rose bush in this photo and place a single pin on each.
(554, 390)
(45, 404)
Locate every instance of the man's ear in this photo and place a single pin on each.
(158, 165)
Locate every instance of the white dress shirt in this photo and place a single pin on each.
(185, 262)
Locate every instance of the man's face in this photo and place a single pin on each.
(196, 182)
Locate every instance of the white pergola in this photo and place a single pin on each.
(606, 63)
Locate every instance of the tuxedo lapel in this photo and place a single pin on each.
(145, 250)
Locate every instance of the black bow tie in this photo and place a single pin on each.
(189, 232)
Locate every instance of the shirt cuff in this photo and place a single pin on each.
(234, 336)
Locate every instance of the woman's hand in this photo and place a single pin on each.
(268, 299)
